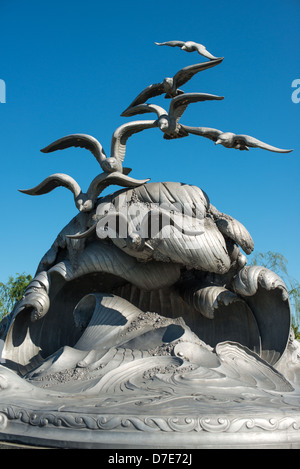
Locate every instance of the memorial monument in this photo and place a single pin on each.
(144, 327)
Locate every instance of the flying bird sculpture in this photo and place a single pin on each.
(168, 122)
(118, 145)
(231, 140)
(170, 86)
(84, 201)
(189, 46)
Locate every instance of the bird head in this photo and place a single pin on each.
(110, 165)
(134, 241)
(224, 139)
(163, 123)
(168, 84)
(188, 46)
(83, 203)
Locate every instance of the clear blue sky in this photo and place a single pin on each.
(74, 66)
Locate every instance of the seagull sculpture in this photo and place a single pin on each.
(168, 122)
(118, 145)
(189, 46)
(231, 140)
(84, 201)
(170, 86)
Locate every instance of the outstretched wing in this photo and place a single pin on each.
(186, 73)
(149, 92)
(189, 46)
(143, 109)
(171, 43)
(52, 182)
(122, 134)
(212, 134)
(201, 49)
(78, 140)
(104, 180)
(253, 142)
(179, 104)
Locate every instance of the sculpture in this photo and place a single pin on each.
(189, 46)
(168, 122)
(83, 201)
(143, 325)
(170, 86)
(231, 140)
(118, 145)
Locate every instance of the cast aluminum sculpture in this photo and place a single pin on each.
(143, 326)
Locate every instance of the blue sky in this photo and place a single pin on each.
(73, 67)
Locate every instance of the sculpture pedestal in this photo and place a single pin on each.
(172, 344)
(158, 387)
(213, 425)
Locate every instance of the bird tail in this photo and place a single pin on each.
(178, 92)
(127, 171)
(182, 133)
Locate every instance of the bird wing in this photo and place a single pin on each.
(201, 49)
(179, 104)
(171, 43)
(186, 73)
(253, 142)
(85, 234)
(122, 134)
(152, 90)
(144, 108)
(194, 46)
(212, 134)
(104, 180)
(53, 181)
(78, 140)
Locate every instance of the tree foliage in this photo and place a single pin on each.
(12, 291)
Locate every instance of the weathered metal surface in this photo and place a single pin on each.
(143, 326)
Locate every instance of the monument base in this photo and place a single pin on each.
(92, 431)
(234, 400)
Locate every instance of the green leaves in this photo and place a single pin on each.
(12, 291)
